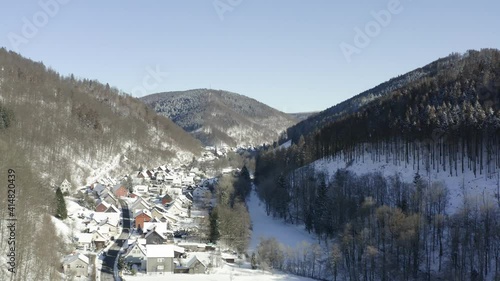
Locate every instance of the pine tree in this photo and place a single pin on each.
(308, 220)
(418, 194)
(253, 261)
(214, 228)
(282, 196)
(61, 211)
(245, 174)
(6, 117)
(321, 217)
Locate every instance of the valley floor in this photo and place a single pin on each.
(227, 272)
(263, 226)
(266, 226)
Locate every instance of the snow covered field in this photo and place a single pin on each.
(267, 226)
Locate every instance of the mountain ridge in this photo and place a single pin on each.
(351, 105)
(218, 117)
(85, 123)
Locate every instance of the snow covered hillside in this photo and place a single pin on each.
(463, 184)
(218, 117)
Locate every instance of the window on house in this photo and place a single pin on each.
(160, 260)
(160, 268)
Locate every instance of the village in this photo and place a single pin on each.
(153, 218)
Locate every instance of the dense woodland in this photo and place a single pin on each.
(229, 221)
(38, 246)
(379, 228)
(349, 106)
(453, 119)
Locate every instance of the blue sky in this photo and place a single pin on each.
(285, 53)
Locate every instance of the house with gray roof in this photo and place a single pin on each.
(76, 265)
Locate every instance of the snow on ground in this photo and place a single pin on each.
(73, 224)
(475, 187)
(63, 230)
(286, 144)
(102, 170)
(74, 212)
(227, 272)
(267, 226)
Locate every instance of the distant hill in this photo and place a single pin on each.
(302, 115)
(218, 117)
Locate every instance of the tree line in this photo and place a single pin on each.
(229, 221)
(383, 228)
(38, 246)
(450, 121)
(378, 228)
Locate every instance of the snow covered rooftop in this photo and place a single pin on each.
(142, 211)
(159, 251)
(73, 257)
(111, 217)
(160, 227)
(85, 237)
(192, 260)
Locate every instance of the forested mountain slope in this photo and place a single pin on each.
(318, 121)
(66, 127)
(219, 117)
(54, 127)
(407, 187)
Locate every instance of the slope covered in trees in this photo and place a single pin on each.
(219, 117)
(350, 106)
(68, 126)
(54, 127)
(452, 119)
(38, 248)
(229, 221)
(381, 227)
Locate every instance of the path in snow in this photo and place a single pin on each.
(267, 226)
